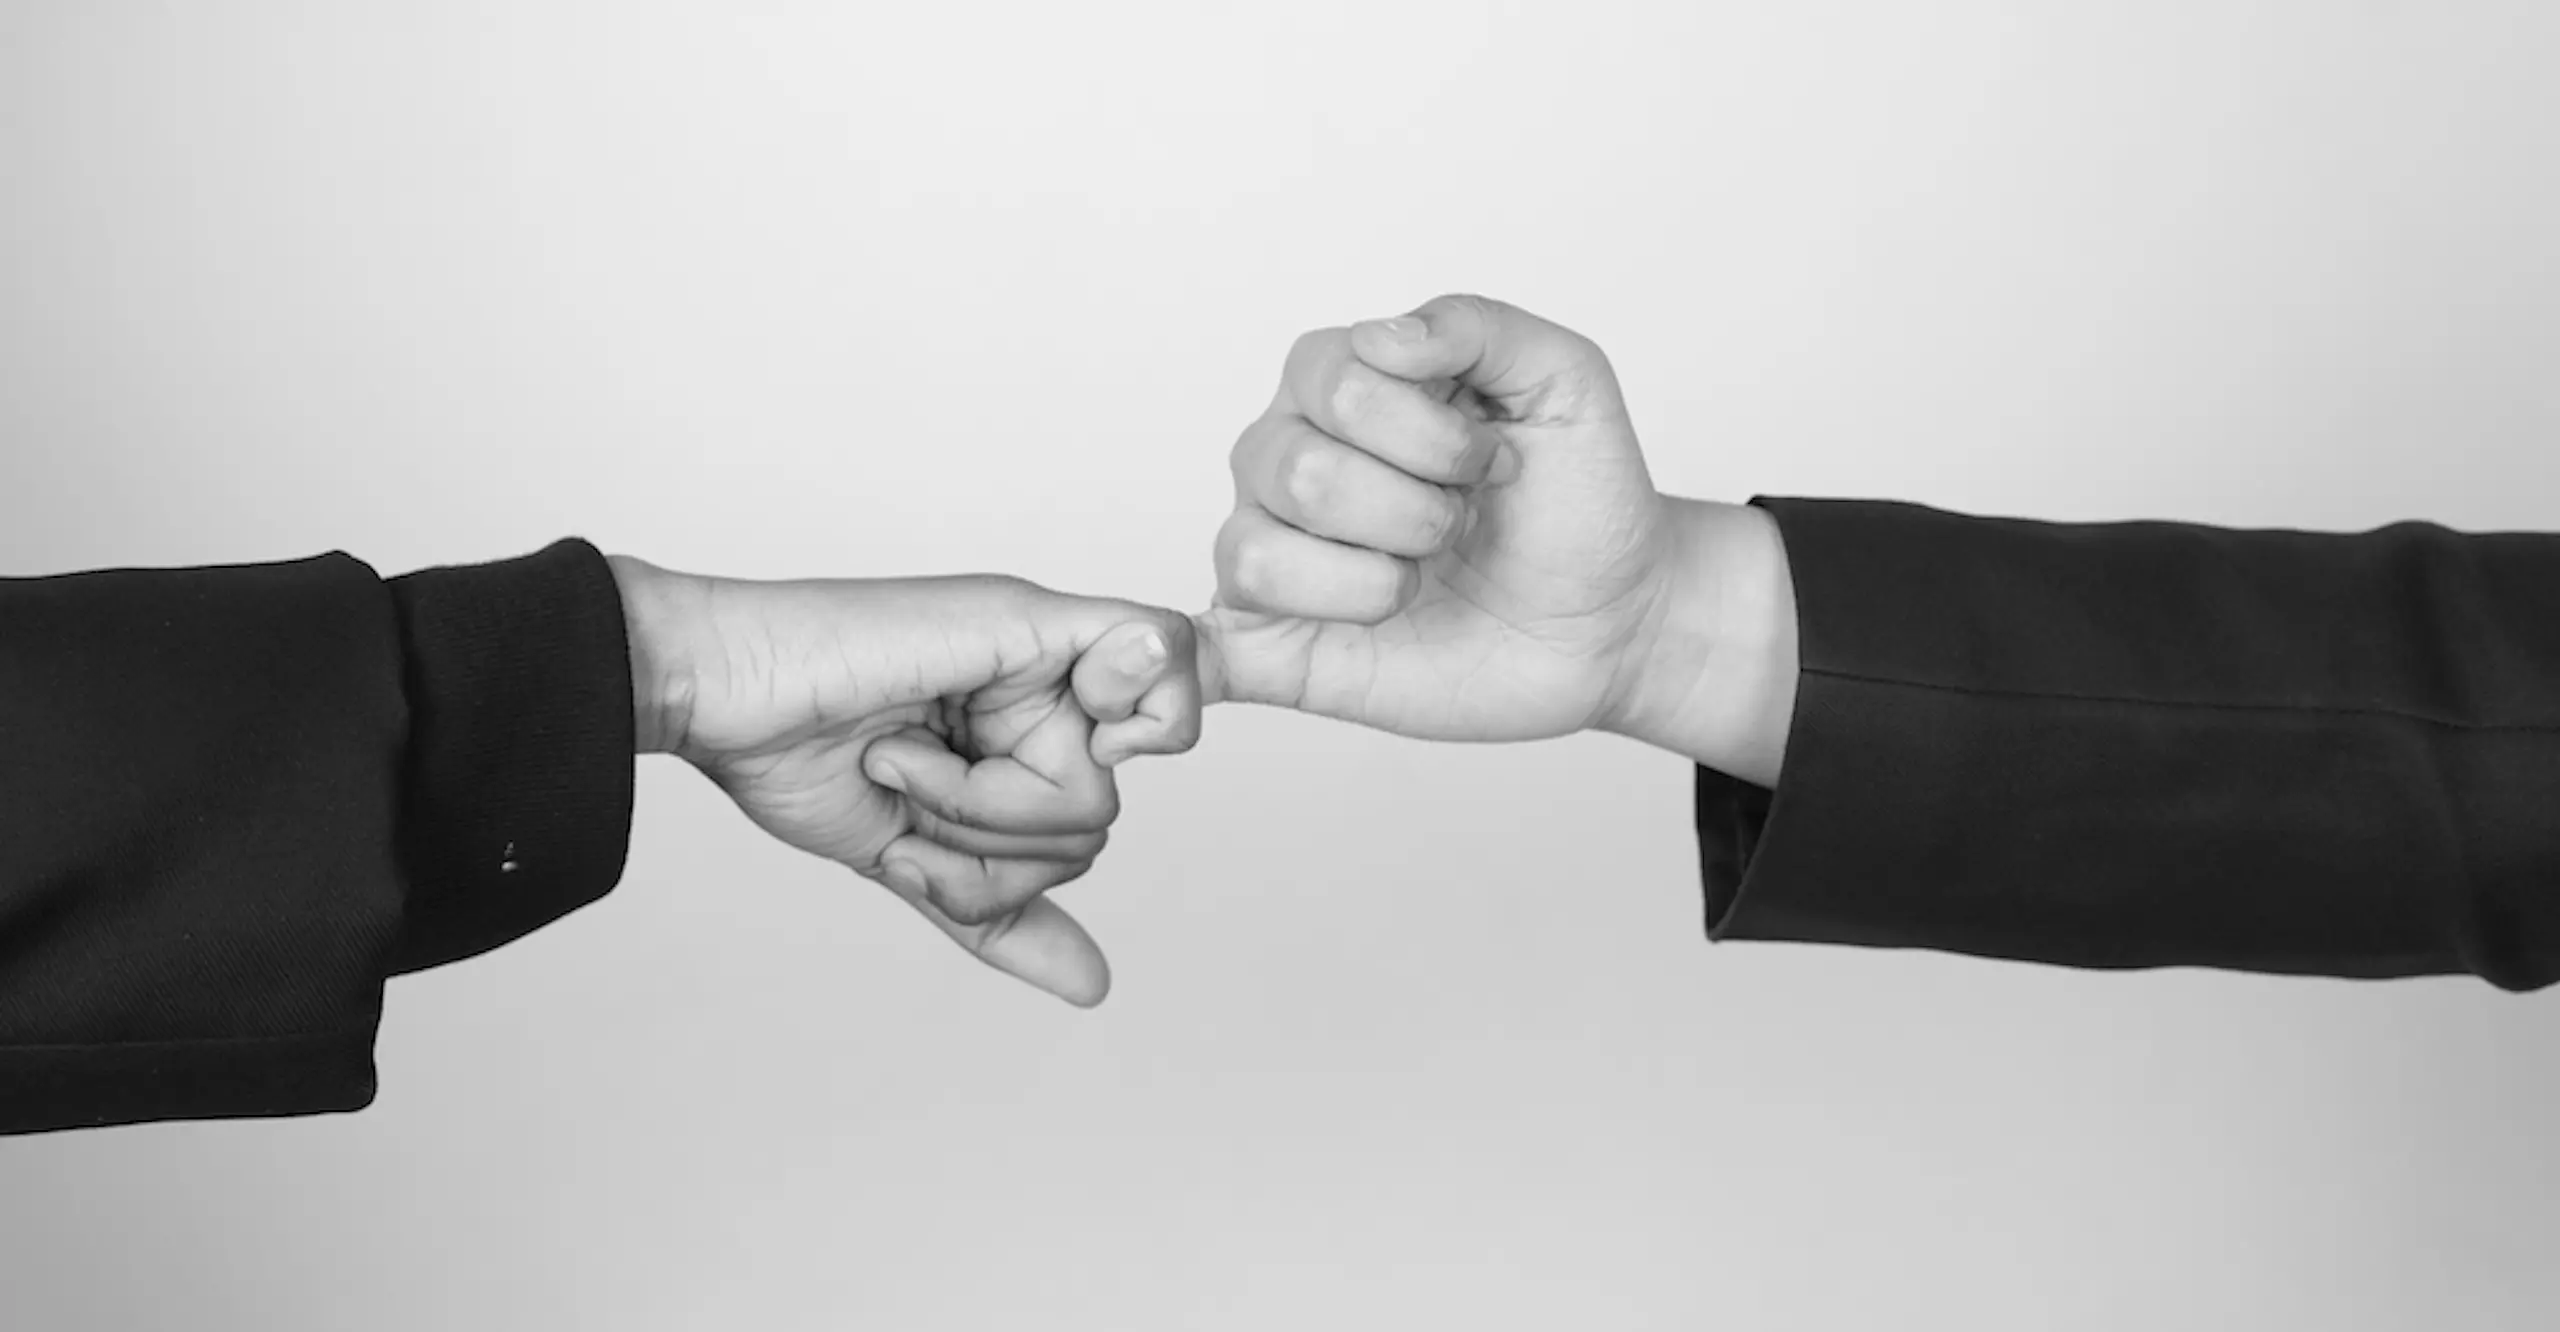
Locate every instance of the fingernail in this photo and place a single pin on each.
(886, 774)
(1144, 655)
(1402, 328)
(1506, 465)
(904, 876)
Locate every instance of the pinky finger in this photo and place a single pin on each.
(1166, 719)
(1118, 670)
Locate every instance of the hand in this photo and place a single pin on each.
(952, 738)
(1444, 528)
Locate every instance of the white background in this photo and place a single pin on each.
(1405, 1036)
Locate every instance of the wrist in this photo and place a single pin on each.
(1711, 676)
(662, 614)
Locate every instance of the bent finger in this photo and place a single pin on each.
(1118, 670)
(1266, 565)
(1324, 487)
(998, 794)
(1166, 718)
(1391, 418)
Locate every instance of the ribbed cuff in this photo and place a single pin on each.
(517, 808)
(142, 1082)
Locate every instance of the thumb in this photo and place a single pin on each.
(1537, 372)
(1040, 945)
(1044, 946)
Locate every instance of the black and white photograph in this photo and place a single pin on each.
(1148, 666)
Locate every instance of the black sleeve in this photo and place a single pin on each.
(234, 800)
(2155, 744)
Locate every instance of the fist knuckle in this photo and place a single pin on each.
(1254, 568)
(1352, 394)
(1311, 477)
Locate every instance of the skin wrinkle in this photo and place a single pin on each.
(1367, 674)
(1313, 637)
(1646, 628)
(844, 664)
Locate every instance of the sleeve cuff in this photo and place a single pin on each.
(45, 1089)
(517, 807)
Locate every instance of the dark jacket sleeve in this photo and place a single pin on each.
(234, 800)
(2154, 744)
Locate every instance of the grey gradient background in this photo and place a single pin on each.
(1405, 1036)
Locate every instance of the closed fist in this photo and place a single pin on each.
(1443, 528)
